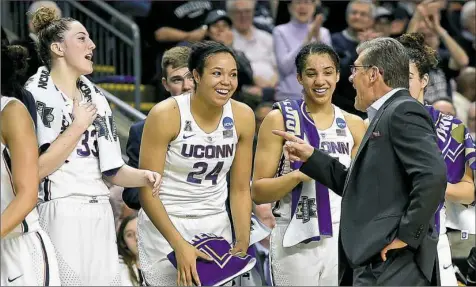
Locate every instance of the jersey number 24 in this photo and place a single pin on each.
(201, 168)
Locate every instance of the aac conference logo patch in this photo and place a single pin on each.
(228, 123)
(340, 123)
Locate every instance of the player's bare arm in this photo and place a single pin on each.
(155, 139)
(357, 128)
(161, 127)
(240, 195)
(266, 188)
(463, 191)
(61, 148)
(19, 136)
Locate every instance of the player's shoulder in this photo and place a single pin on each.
(356, 124)
(241, 111)
(352, 119)
(165, 109)
(273, 120)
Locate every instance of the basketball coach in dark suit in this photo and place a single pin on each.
(392, 190)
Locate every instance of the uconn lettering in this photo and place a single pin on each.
(292, 119)
(86, 91)
(209, 151)
(443, 127)
(43, 80)
(332, 147)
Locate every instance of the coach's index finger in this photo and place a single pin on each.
(288, 136)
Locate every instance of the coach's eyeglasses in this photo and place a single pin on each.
(353, 68)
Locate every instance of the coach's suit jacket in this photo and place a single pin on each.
(131, 195)
(392, 189)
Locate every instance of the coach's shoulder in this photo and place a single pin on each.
(408, 106)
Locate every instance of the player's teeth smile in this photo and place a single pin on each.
(223, 92)
(320, 91)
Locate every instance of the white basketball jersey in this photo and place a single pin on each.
(460, 217)
(196, 164)
(80, 174)
(336, 141)
(30, 223)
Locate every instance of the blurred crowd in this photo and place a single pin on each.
(267, 35)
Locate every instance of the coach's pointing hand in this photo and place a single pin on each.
(297, 149)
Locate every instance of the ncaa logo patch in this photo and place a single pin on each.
(228, 123)
(340, 123)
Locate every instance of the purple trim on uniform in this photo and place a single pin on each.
(111, 172)
(296, 192)
(322, 192)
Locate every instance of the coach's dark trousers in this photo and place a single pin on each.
(399, 269)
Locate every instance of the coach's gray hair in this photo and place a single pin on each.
(230, 4)
(468, 7)
(373, 9)
(390, 57)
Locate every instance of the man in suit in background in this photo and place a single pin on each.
(392, 190)
(177, 80)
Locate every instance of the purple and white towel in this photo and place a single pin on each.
(224, 267)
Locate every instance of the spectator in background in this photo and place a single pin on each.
(467, 40)
(465, 92)
(305, 26)
(264, 14)
(128, 252)
(30, 42)
(172, 22)
(383, 22)
(177, 80)
(260, 113)
(426, 20)
(472, 120)
(360, 18)
(445, 105)
(255, 43)
(219, 30)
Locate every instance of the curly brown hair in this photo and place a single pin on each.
(423, 56)
(49, 28)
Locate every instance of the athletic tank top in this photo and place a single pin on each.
(80, 174)
(30, 223)
(196, 164)
(336, 141)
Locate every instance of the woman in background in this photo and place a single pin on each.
(128, 253)
(305, 26)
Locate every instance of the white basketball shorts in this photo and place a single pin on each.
(154, 248)
(447, 272)
(82, 231)
(29, 260)
(305, 264)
